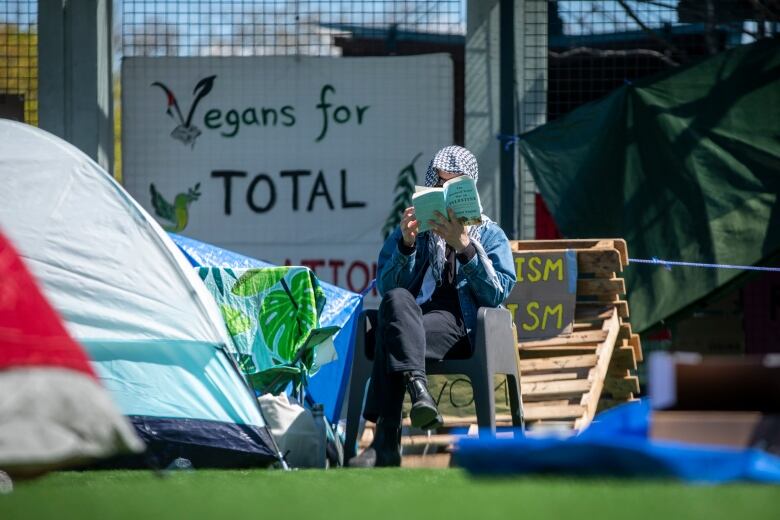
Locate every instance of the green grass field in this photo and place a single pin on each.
(372, 494)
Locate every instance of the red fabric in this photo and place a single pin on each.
(546, 229)
(663, 334)
(31, 332)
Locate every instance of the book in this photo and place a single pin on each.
(459, 193)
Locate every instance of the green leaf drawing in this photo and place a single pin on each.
(287, 314)
(237, 322)
(404, 189)
(255, 281)
(203, 272)
(319, 295)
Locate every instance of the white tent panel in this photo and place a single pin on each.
(52, 417)
(103, 262)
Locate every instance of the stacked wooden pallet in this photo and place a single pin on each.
(565, 380)
(421, 449)
(428, 449)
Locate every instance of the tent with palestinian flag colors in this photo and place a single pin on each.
(53, 410)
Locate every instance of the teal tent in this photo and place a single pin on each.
(684, 166)
(154, 335)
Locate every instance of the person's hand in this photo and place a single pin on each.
(452, 231)
(409, 227)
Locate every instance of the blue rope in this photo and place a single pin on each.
(368, 288)
(667, 264)
(508, 140)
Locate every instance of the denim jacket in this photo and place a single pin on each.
(483, 281)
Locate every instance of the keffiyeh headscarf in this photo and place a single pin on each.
(453, 159)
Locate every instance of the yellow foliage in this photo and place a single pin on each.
(117, 129)
(19, 67)
(19, 75)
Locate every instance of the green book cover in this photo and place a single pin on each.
(459, 193)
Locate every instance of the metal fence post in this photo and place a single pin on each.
(509, 194)
(75, 88)
(531, 89)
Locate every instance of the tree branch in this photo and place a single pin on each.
(651, 33)
(601, 53)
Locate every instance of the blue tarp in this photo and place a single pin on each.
(342, 309)
(616, 445)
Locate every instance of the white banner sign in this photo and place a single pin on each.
(288, 159)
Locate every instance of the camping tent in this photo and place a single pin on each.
(129, 296)
(342, 309)
(53, 412)
(684, 166)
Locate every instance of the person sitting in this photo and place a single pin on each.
(432, 284)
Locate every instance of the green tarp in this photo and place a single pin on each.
(684, 166)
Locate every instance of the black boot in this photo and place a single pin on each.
(424, 413)
(385, 450)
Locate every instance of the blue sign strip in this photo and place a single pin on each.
(571, 267)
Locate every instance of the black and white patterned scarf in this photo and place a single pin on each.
(453, 159)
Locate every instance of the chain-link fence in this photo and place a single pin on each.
(19, 60)
(597, 46)
(594, 46)
(273, 27)
(308, 28)
(298, 28)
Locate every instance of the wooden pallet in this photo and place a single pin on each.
(421, 450)
(566, 380)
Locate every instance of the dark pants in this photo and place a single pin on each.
(407, 334)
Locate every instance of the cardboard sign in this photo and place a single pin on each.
(289, 159)
(543, 300)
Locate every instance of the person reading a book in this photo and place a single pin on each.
(432, 282)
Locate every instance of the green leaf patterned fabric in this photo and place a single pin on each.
(254, 281)
(287, 315)
(246, 364)
(268, 313)
(275, 379)
(237, 322)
